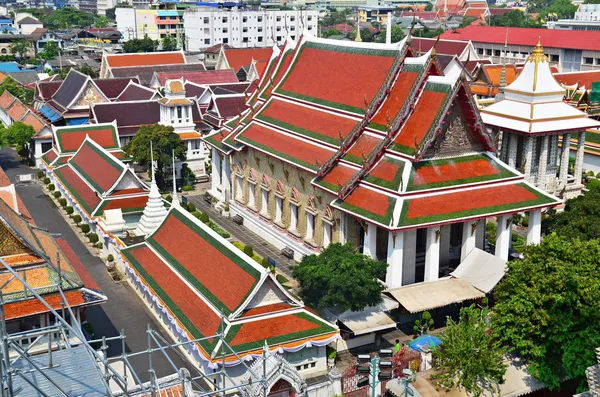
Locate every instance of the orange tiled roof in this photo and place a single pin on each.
(6, 99)
(17, 111)
(175, 86)
(146, 59)
(2, 77)
(34, 306)
(239, 57)
(581, 78)
(34, 121)
(475, 12)
(189, 135)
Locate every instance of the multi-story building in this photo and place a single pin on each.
(377, 14)
(205, 26)
(567, 50)
(90, 6)
(587, 17)
(136, 23)
(104, 5)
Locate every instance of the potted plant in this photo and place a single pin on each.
(226, 210)
(213, 201)
(331, 359)
(85, 228)
(110, 259)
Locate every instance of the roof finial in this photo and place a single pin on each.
(152, 161)
(358, 38)
(175, 201)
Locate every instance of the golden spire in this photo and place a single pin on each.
(537, 56)
(358, 38)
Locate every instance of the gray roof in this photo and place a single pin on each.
(24, 77)
(70, 88)
(74, 370)
(28, 21)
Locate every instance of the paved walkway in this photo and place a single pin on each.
(241, 233)
(124, 309)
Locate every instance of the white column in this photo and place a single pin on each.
(468, 239)
(432, 255)
(343, 228)
(393, 277)
(409, 257)
(480, 234)
(226, 179)
(542, 163)
(327, 231)
(370, 245)
(579, 158)
(214, 183)
(503, 236)
(534, 230)
(564, 159)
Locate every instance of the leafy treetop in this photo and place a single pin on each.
(515, 19)
(548, 308)
(25, 95)
(140, 45)
(397, 35)
(470, 357)
(579, 220)
(340, 277)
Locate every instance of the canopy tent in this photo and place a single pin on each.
(482, 270)
(426, 296)
(370, 319)
(424, 340)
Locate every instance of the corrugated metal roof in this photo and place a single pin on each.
(167, 13)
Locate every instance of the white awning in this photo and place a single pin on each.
(430, 295)
(517, 380)
(482, 270)
(365, 323)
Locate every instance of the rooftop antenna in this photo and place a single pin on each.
(175, 201)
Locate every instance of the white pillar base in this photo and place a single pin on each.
(468, 239)
(503, 236)
(395, 255)
(432, 255)
(409, 257)
(370, 247)
(534, 230)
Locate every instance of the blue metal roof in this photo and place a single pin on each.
(50, 114)
(9, 67)
(168, 13)
(78, 121)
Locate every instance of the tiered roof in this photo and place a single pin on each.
(533, 103)
(67, 140)
(98, 181)
(226, 282)
(34, 254)
(207, 77)
(386, 145)
(487, 79)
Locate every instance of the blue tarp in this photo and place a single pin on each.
(423, 340)
(78, 121)
(50, 114)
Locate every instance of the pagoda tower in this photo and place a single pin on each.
(531, 119)
(155, 210)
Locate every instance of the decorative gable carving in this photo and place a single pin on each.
(89, 95)
(455, 137)
(10, 244)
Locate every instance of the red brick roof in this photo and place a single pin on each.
(96, 167)
(445, 47)
(239, 57)
(396, 98)
(84, 195)
(45, 89)
(17, 111)
(475, 12)
(145, 59)
(69, 139)
(275, 307)
(34, 306)
(253, 331)
(207, 77)
(125, 204)
(6, 99)
(34, 121)
(570, 39)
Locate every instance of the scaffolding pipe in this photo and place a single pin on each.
(34, 365)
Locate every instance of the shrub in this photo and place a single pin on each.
(46, 181)
(593, 183)
(204, 217)
(56, 194)
(525, 221)
(40, 174)
(69, 210)
(265, 263)
(62, 201)
(110, 258)
(51, 187)
(93, 238)
(239, 245)
(213, 200)
(99, 245)
(226, 208)
(332, 355)
(598, 175)
(77, 219)
(183, 205)
(191, 207)
(216, 228)
(249, 251)
(85, 228)
(590, 173)
(169, 198)
(188, 188)
(282, 279)
(197, 214)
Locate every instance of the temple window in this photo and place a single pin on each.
(265, 188)
(279, 197)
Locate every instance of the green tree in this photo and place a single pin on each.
(340, 277)
(331, 32)
(424, 324)
(591, 2)
(563, 9)
(18, 135)
(429, 33)
(580, 218)
(429, 7)
(548, 308)
(470, 357)
(101, 22)
(50, 51)
(337, 17)
(397, 35)
(140, 45)
(365, 35)
(466, 21)
(515, 19)
(164, 141)
(67, 18)
(20, 47)
(169, 43)
(25, 95)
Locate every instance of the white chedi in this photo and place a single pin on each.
(155, 210)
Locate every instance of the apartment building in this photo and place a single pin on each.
(136, 23)
(205, 26)
(587, 17)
